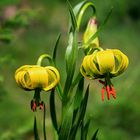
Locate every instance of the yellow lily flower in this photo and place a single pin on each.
(104, 64)
(31, 77)
(35, 77)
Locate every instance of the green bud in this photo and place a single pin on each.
(89, 32)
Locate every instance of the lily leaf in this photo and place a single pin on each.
(79, 94)
(73, 26)
(55, 48)
(80, 9)
(84, 129)
(79, 115)
(52, 110)
(44, 128)
(66, 124)
(94, 137)
(71, 55)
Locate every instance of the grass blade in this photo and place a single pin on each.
(66, 124)
(81, 115)
(84, 130)
(53, 111)
(79, 94)
(94, 137)
(71, 55)
(44, 128)
(73, 18)
(55, 48)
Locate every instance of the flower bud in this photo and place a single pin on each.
(89, 32)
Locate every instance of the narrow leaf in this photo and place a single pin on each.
(94, 137)
(55, 48)
(84, 130)
(73, 18)
(79, 6)
(66, 125)
(71, 55)
(81, 115)
(81, 9)
(75, 112)
(76, 80)
(53, 111)
(84, 105)
(44, 127)
(79, 94)
(36, 136)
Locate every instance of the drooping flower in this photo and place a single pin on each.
(30, 77)
(35, 77)
(104, 64)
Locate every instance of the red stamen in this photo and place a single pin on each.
(109, 89)
(33, 105)
(102, 82)
(113, 92)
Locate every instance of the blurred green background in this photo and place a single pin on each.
(116, 119)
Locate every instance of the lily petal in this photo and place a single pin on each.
(30, 77)
(105, 61)
(122, 62)
(53, 76)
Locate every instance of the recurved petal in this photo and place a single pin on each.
(53, 78)
(85, 68)
(25, 67)
(88, 68)
(121, 64)
(30, 77)
(106, 61)
(94, 65)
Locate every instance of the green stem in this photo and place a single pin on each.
(82, 11)
(43, 56)
(39, 62)
(37, 96)
(44, 122)
(107, 80)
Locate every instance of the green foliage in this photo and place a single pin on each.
(53, 110)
